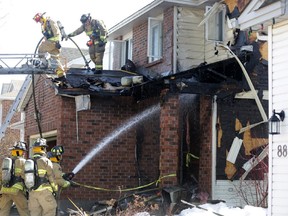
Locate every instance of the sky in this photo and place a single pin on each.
(20, 34)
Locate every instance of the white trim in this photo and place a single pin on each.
(250, 95)
(155, 23)
(254, 15)
(7, 98)
(46, 134)
(270, 111)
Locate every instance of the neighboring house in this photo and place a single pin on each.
(15, 131)
(273, 15)
(192, 117)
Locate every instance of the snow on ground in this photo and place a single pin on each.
(218, 209)
(223, 209)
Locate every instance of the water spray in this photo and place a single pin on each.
(114, 134)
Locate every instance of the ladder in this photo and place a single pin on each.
(24, 64)
(15, 105)
(27, 64)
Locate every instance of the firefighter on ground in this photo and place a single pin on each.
(50, 44)
(42, 187)
(12, 181)
(97, 33)
(55, 155)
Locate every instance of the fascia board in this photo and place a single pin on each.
(253, 15)
(6, 98)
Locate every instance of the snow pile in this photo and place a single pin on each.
(223, 209)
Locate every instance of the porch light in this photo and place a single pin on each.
(274, 122)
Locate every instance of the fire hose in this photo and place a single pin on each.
(156, 182)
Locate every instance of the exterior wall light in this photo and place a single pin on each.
(274, 122)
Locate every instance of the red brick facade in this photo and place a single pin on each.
(205, 162)
(169, 140)
(157, 139)
(114, 166)
(140, 44)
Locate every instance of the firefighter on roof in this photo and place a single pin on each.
(40, 181)
(50, 44)
(97, 33)
(12, 182)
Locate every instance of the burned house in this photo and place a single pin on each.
(197, 117)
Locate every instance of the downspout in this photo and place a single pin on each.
(175, 34)
(214, 143)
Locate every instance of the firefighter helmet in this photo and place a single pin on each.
(41, 142)
(39, 146)
(55, 155)
(57, 150)
(19, 146)
(37, 18)
(84, 18)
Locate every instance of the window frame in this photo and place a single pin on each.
(154, 52)
(212, 32)
(127, 50)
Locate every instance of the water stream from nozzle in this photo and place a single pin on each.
(114, 134)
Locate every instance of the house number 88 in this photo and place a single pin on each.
(282, 151)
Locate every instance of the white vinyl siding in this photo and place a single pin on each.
(229, 191)
(192, 48)
(278, 100)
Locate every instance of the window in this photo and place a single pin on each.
(127, 50)
(154, 39)
(215, 23)
(117, 52)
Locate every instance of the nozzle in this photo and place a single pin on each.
(68, 176)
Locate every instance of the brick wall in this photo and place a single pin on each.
(205, 162)
(169, 139)
(49, 107)
(140, 44)
(115, 165)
